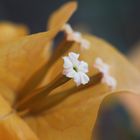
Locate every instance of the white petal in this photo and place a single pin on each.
(77, 79)
(101, 66)
(74, 36)
(69, 73)
(83, 67)
(77, 36)
(81, 78)
(73, 55)
(84, 78)
(85, 44)
(67, 63)
(67, 28)
(74, 58)
(110, 81)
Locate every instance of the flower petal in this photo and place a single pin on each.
(73, 55)
(110, 81)
(83, 66)
(74, 58)
(69, 72)
(85, 44)
(67, 63)
(101, 66)
(67, 28)
(84, 78)
(77, 79)
(75, 36)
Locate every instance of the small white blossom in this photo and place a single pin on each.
(73, 68)
(67, 28)
(85, 44)
(104, 68)
(75, 36)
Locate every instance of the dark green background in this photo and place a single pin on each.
(118, 21)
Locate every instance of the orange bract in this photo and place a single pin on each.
(61, 15)
(10, 31)
(70, 116)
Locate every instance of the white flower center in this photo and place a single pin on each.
(75, 68)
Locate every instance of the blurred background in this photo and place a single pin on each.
(117, 21)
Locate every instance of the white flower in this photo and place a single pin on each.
(85, 44)
(73, 68)
(67, 28)
(104, 68)
(75, 36)
(110, 81)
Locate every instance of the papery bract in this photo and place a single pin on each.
(70, 117)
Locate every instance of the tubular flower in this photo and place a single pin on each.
(73, 68)
(75, 36)
(10, 31)
(104, 68)
(38, 98)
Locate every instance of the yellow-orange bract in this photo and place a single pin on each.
(74, 117)
(10, 31)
